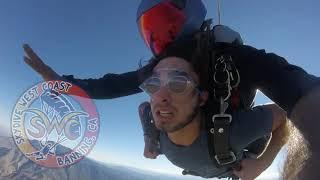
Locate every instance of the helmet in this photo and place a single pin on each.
(163, 21)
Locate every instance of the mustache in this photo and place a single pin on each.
(163, 106)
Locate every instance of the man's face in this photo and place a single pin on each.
(171, 110)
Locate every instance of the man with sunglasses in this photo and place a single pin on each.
(179, 105)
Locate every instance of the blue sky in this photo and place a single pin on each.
(90, 39)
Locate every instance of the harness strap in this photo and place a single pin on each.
(225, 78)
(221, 127)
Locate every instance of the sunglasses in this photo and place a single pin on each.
(175, 83)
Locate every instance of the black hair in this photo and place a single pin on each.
(195, 49)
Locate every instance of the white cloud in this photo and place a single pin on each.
(159, 165)
(163, 166)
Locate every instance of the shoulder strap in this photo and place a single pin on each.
(225, 78)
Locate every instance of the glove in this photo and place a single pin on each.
(150, 132)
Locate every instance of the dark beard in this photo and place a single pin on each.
(189, 119)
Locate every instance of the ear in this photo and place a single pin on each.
(204, 95)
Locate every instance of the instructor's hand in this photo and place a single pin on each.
(150, 151)
(35, 62)
(250, 169)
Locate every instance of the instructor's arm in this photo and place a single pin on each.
(107, 87)
(251, 168)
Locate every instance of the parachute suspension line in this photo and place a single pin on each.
(218, 10)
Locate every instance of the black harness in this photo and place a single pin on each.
(224, 82)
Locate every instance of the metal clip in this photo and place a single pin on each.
(223, 106)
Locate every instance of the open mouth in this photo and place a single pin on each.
(164, 115)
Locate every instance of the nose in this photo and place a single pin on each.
(162, 95)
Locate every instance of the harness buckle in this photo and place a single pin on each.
(222, 119)
(224, 159)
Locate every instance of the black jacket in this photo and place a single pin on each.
(282, 82)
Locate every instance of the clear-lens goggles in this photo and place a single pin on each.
(174, 80)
